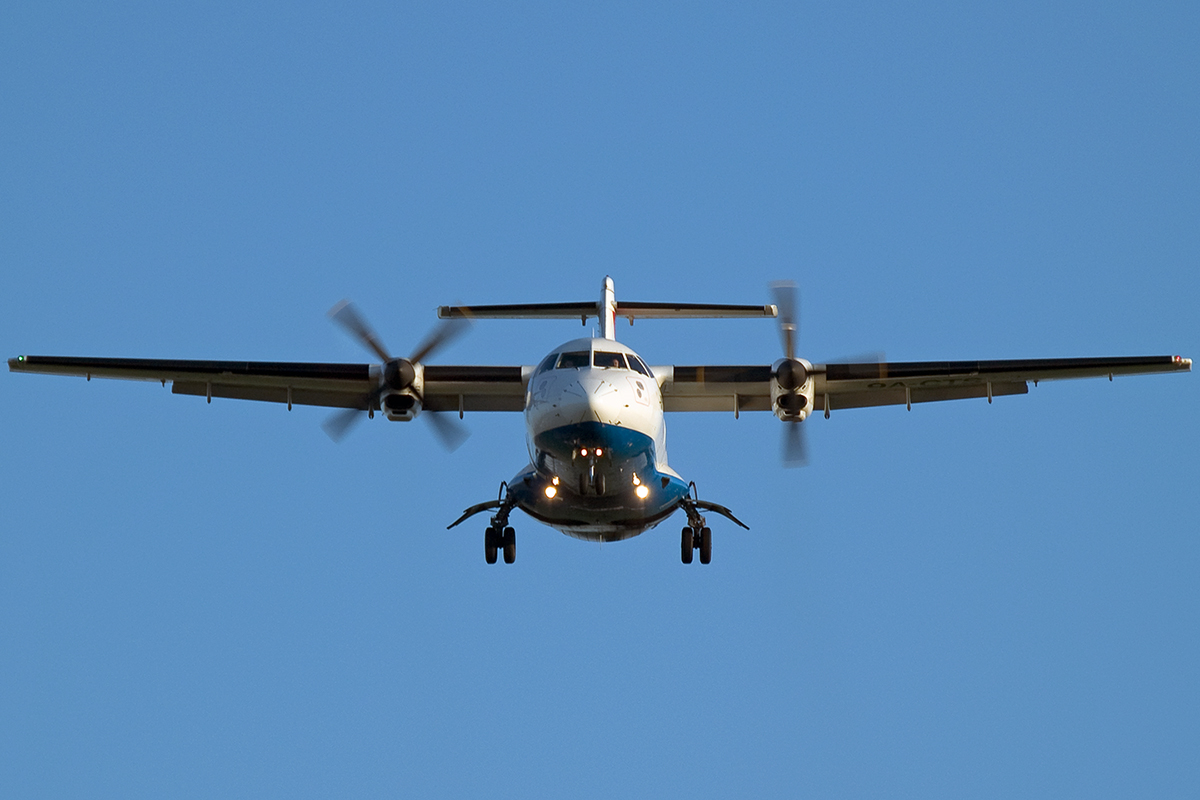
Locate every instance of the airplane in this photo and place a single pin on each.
(594, 409)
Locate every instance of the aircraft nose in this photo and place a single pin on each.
(598, 400)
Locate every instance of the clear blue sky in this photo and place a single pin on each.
(961, 601)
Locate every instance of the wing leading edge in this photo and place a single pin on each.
(860, 385)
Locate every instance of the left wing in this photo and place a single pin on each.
(447, 388)
(840, 386)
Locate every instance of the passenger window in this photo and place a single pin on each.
(573, 360)
(637, 364)
(609, 360)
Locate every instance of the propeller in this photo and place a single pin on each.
(398, 374)
(791, 373)
(795, 445)
(785, 294)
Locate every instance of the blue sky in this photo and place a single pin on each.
(961, 601)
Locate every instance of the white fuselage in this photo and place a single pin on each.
(595, 433)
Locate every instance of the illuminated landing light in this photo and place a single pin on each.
(642, 491)
(551, 491)
(599, 451)
(583, 452)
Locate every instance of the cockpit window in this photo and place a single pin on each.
(573, 360)
(601, 359)
(637, 364)
(547, 363)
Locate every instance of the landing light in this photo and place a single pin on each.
(551, 491)
(583, 452)
(599, 451)
(642, 491)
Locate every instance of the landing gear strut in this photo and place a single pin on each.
(497, 537)
(696, 539)
(697, 535)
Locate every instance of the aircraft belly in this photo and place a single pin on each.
(619, 514)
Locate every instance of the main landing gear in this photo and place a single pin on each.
(696, 539)
(697, 535)
(496, 539)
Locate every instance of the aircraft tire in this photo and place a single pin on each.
(489, 545)
(685, 546)
(510, 545)
(705, 545)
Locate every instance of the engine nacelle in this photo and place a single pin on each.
(402, 379)
(792, 389)
(401, 406)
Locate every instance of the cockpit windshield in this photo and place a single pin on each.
(638, 365)
(547, 363)
(602, 359)
(573, 360)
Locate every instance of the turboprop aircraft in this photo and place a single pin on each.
(594, 410)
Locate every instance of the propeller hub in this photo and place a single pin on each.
(399, 373)
(791, 375)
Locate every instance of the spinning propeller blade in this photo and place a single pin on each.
(442, 334)
(346, 315)
(337, 425)
(785, 295)
(448, 429)
(795, 445)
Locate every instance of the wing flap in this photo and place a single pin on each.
(273, 394)
(450, 388)
(730, 388)
(857, 377)
(898, 396)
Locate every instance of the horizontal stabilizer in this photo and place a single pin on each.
(628, 311)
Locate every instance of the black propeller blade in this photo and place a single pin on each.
(398, 373)
(792, 374)
(786, 297)
(441, 335)
(795, 445)
(346, 315)
(338, 424)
